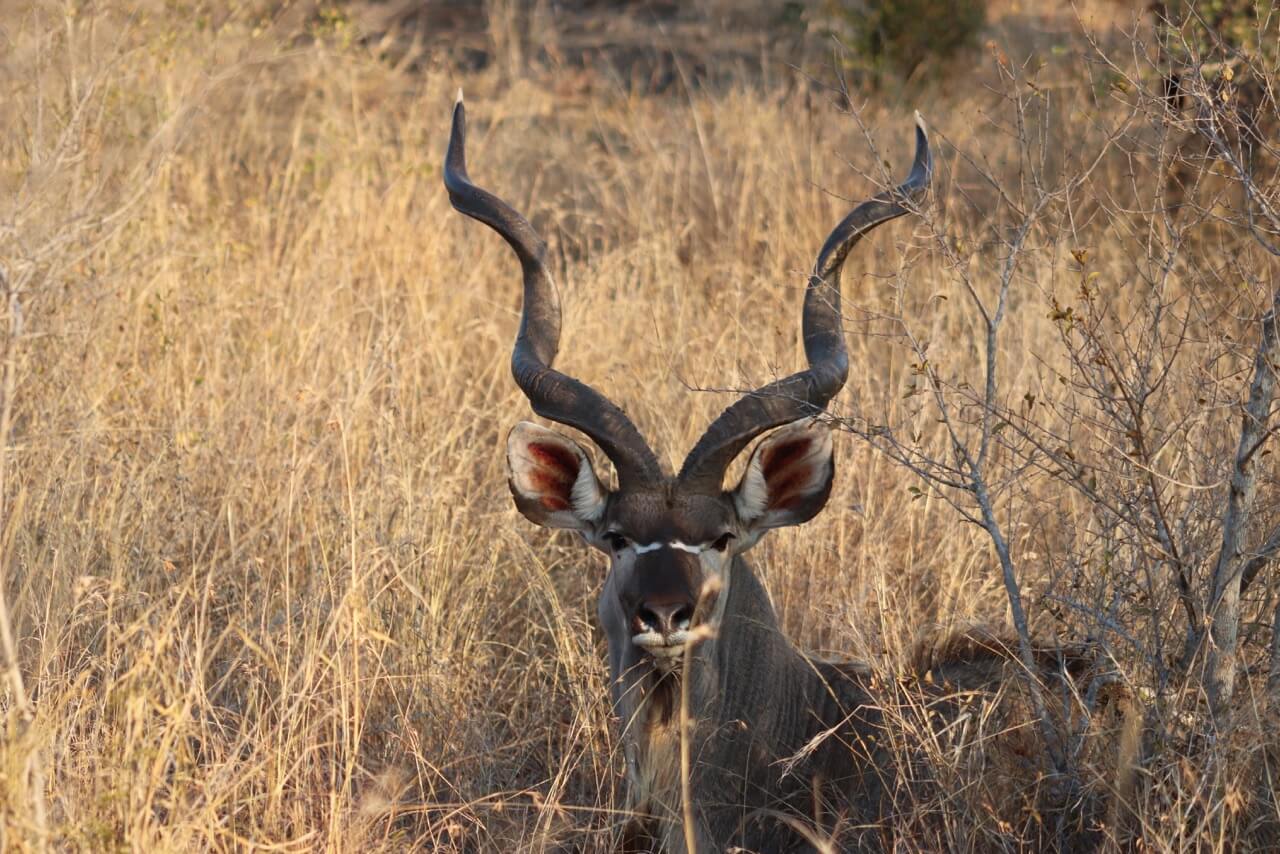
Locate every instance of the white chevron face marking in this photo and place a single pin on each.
(684, 547)
(674, 544)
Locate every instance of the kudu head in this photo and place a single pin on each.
(667, 536)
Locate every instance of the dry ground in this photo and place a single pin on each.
(266, 584)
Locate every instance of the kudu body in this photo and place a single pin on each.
(773, 735)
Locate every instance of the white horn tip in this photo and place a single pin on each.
(458, 100)
(919, 118)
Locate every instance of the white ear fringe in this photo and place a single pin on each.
(752, 496)
(751, 499)
(587, 496)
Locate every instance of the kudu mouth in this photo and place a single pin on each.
(660, 645)
(664, 633)
(665, 650)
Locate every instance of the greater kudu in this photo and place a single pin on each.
(692, 635)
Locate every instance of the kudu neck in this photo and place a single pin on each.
(748, 642)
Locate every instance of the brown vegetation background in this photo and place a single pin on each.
(265, 583)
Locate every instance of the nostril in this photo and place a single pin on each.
(662, 618)
(647, 621)
(681, 619)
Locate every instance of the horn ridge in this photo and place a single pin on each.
(552, 394)
(807, 392)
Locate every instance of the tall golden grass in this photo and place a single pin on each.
(266, 586)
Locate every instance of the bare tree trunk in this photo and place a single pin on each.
(1224, 602)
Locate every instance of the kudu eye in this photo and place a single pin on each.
(722, 542)
(616, 541)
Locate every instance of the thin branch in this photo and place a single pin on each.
(1262, 555)
(993, 324)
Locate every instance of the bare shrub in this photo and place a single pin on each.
(1116, 458)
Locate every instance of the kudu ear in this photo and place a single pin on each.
(551, 479)
(788, 478)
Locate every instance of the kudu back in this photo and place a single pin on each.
(776, 739)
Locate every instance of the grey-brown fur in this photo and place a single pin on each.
(784, 741)
(756, 702)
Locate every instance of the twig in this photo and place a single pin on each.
(978, 486)
(1261, 556)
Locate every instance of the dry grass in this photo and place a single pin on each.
(266, 583)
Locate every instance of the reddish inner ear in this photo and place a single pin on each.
(782, 455)
(787, 474)
(553, 474)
